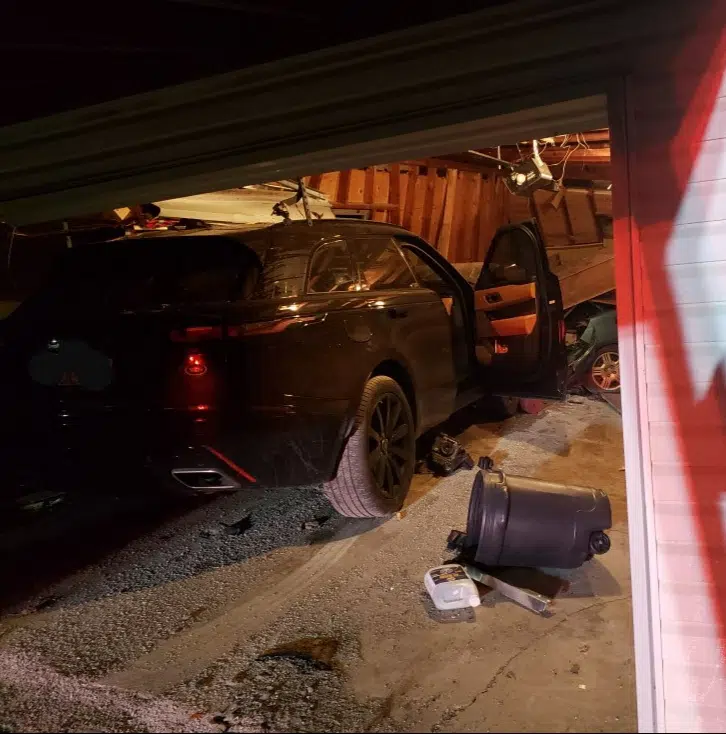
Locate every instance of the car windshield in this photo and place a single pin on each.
(156, 273)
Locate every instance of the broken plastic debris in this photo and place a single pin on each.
(240, 527)
(448, 456)
(40, 500)
(315, 522)
(46, 602)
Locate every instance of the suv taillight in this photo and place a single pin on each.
(195, 365)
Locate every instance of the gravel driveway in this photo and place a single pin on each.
(181, 628)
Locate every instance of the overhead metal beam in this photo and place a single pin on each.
(408, 94)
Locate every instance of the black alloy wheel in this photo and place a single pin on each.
(390, 452)
(375, 470)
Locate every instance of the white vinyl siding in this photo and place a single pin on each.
(693, 679)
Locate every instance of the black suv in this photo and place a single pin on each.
(284, 355)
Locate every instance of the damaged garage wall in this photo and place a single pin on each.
(459, 210)
(574, 216)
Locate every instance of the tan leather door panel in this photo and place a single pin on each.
(504, 315)
(514, 326)
(493, 299)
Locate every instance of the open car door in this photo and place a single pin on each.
(520, 339)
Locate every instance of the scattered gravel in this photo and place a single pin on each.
(203, 539)
(167, 580)
(191, 609)
(35, 698)
(281, 694)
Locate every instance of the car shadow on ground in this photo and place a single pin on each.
(104, 540)
(39, 548)
(101, 543)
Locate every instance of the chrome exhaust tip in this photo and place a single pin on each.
(210, 480)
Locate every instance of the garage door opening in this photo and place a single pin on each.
(395, 665)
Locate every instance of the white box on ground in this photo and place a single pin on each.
(450, 588)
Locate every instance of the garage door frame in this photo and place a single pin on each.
(631, 347)
(631, 339)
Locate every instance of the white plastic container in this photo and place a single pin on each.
(450, 588)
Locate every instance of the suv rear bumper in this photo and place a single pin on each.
(294, 445)
(265, 447)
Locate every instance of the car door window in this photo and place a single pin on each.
(513, 261)
(282, 276)
(331, 269)
(381, 266)
(426, 276)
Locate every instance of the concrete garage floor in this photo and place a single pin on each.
(166, 633)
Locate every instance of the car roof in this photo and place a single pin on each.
(294, 235)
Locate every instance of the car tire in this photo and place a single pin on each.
(357, 489)
(605, 361)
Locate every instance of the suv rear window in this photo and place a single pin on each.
(153, 273)
(150, 274)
